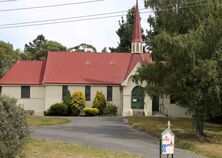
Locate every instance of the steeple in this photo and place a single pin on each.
(137, 41)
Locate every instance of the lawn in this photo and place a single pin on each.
(210, 146)
(46, 121)
(50, 149)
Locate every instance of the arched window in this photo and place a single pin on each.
(141, 48)
(137, 47)
(133, 48)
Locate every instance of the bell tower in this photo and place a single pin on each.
(137, 41)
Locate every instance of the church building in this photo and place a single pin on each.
(39, 84)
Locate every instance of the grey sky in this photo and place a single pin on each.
(100, 33)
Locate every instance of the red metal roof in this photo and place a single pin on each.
(25, 73)
(75, 68)
(137, 35)
(90, 68)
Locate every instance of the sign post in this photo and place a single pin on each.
(167, 142)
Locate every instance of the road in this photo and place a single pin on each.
(105, 132)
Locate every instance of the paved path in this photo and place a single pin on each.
(105, 132)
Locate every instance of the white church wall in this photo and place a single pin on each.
(173, 109)
(94, 88)
(36, 102)
(54, 94)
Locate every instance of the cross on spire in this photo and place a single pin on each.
(169, 125)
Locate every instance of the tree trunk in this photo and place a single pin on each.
(199, 127)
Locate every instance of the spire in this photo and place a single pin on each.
(137, 35)
(137, 41)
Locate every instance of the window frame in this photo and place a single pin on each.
(25, 92)
(109, 93)
(88, 93)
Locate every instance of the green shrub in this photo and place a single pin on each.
(57, 109)
(99, 102)
(68, 101)
(13, 127)
(78, 99)
(91, 111)
(111, 110)
(74, 110)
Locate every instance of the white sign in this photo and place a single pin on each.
(168, 140)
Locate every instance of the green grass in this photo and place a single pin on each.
(46, 121)
(50, 149)
(210, 146)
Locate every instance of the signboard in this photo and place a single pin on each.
(167, 142)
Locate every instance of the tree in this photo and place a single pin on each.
(14, 128)
(38, 49)
(104, 50)
(83, 48)
(78, 99)
(8, 56)
(186, 46)
(125, 33)
(68, 101)
(99, 102)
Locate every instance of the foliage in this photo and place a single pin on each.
(125, 33)
(13, 127)
(74, 110)
(190, 47)
(91, 111)
(215, 119)
(78, 99)
(38, 49)
(57, 109)
(67, 100)
(104, 50)
(99, 102)
(55, 46)
(110, 109)
(83, 48)
(8, 56)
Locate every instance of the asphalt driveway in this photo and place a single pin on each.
(105, 132)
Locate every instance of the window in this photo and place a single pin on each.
(109, 93)
(64, 91)
(0, 90)
(137, 48)
(133, 49)
(87, 92)
(172, 100)
(25, 92)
